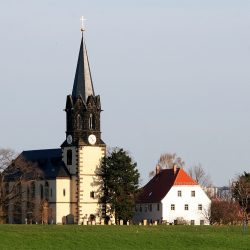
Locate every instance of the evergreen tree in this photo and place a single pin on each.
(119, 183)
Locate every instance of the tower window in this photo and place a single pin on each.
(90, 121)
(69, 157)
(92, 194)
(64, 192)
(79, 122)
(179, 193)
(172, 206)
(192, 193)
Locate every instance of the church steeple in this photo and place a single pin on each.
(83, 107)
(83, 85)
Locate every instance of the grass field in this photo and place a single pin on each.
(122, 237)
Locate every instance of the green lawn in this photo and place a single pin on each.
(122, 237)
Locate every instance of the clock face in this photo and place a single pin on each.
(92, 139)
(69, 139)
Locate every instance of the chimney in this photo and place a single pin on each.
(157, 169)
(175, 168)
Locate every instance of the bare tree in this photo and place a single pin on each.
(6, 157)
(223, 212)
(167, 161)
(14, 172)
(198, 173)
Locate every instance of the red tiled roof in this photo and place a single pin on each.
(157, 188)
(183, 178)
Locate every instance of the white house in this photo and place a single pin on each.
(172, 196)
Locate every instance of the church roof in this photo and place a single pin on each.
(157, 188)
(83, 85)
(49, 162)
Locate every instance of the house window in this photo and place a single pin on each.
(51, 192)
(69, 157)
(200, 207)
(92, 194)
(192, 193)
(135, 208)
(150, 207)
(64, 192)
(158, 207)
(172, 206)
(179, 193)
(146, 208)
(192, 222)
(202, 222)
(140, 209)
(186, 207)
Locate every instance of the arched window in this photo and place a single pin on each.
(28, 192)
(90, 121)
(7, 188)
(79, 122)
(93, 122)
(33, 189)
(41, 192)
(69, 157)
(46, 190)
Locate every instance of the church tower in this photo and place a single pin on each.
(83, 148)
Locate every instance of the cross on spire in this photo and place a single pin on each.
(82, 23)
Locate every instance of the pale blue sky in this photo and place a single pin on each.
(173, 77)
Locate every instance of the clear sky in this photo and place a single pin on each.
(173, 77)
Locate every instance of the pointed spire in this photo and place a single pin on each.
(83, 85)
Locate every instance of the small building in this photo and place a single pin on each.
(173, 197)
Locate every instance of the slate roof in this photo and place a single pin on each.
(157, 188)
(83, 85)
(49, 161)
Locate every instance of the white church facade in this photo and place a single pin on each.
(67, 190)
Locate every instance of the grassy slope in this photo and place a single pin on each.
(122, 237)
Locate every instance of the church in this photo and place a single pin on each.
(67, 192)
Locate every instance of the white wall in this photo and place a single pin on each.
(62, 201)
(192, 213)
(89, 160)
